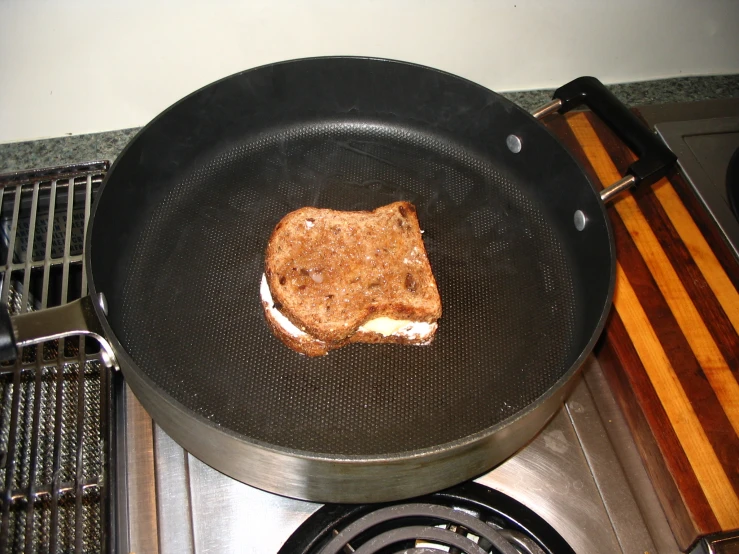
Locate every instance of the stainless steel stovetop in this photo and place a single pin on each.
(573, 474)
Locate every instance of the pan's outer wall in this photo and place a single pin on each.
(347, 480)
(135, 183)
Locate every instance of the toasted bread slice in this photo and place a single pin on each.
(331, 272)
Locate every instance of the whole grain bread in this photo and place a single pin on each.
(329, 272)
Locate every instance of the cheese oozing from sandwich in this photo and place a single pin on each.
(387, 326)
(269, 304)
(384, 326)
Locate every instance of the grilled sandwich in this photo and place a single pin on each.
(333, 278)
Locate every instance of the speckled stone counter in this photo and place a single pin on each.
(106, 146)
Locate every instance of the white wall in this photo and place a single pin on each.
(77, 66)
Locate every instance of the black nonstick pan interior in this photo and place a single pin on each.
(522, 290)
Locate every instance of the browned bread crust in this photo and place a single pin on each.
(377, 338)
(330, 271)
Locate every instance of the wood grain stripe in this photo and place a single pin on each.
(707, 226)
(680, 493)
(700, 251)
(691, 322)
(674, 480)
(695, 261)
(713, 480)
(711, 476)
(709, 412)
(694, 328)
(694, 281)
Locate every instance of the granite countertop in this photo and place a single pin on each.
(17, 156)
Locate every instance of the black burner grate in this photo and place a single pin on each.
(55, 399)
(469, 518)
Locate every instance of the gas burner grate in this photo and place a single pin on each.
(55, 399)
(469, 518)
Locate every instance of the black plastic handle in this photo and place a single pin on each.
(655, 159)
(8, 349)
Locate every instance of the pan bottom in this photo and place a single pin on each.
(190, 317)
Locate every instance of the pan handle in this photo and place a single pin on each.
(75, 318)
(655, 159)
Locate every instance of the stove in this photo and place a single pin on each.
(580, 484)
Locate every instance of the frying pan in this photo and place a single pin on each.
(516, 234)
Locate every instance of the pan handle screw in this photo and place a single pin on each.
(513, 143)
(580, 220)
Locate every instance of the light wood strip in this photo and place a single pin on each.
(699, 249)
(711, 476)
(691, 323)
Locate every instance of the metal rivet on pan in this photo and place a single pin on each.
(580, 220)
(103, 303)
(513, 143)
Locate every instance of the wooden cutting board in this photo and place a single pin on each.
(671, 347)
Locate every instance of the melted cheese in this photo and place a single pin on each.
(385, 326)
(281, 320)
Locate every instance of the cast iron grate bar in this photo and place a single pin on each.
(42, 492)
(10, 446)
(37, 381)
(54, 408)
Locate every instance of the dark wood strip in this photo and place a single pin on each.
(671, 475)
(559, 126)
(690, 275)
